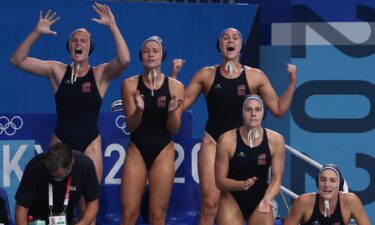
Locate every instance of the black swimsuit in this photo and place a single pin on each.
(317, 218)
(152, 135)
(224, 103)
(246, 163)
(77, 107)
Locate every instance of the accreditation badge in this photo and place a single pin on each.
(57, 219)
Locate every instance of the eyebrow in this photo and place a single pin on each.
(226, 34)
(330, 178)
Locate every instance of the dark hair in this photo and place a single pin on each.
(158, 40)
(221, 35)
(92, 46)
(335, 169)
(58, 156)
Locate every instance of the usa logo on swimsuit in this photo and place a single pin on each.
(162, 101)
(241, 90)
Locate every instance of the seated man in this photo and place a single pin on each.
(52, 185)
(330, 206)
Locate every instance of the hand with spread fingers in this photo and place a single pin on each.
(46, 21)
(106, 16)
(78, 87)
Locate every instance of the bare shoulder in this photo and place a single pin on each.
(174, 83)
(305, 200)
(274, 137)
(250, 71)
(301, 210)
(132, 78)
(131, 82)
(228, 138)
(99, 68)
(57, 67)
(209, 69)
(206, 72)
(256, 78)
(57, 63)
(349, 198)
(351, 203)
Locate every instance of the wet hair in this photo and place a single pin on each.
(160, 42)
(335, 169)
(58, 156)
(221, 35)
(92, 46)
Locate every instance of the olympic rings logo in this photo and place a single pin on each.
(10, 126)
(121, 124)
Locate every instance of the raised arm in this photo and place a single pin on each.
(175, 106)
(195, 87)
(177, 65)
(277, 147)
(115, 67)
(20, 57)
(278, 105)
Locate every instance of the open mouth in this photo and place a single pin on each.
(230, 49)
(77, 51)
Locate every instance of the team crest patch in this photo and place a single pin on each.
(162, 101)
(241, 90)
(86, 87)
(262, 159)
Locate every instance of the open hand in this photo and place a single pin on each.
(106, 16)
(45, 23)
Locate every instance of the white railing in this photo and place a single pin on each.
(288, 192)
(303, 157)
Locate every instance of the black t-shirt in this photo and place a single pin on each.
(4, 217)
(32, 192)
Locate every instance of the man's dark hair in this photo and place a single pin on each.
(58, 156)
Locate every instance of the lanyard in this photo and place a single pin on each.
(67, 192)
